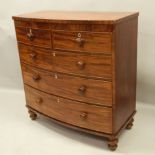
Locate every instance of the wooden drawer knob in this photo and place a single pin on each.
(83, 115)
(80, 41)
(30, 35)
(81, 64)
(36, 77)
(33, 55)
(39, 100)
(82, 89)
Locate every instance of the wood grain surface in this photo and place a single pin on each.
(40, 37)
(82, 89)
(91, 65)
(88, 42)
(125, 71)
(72, 112)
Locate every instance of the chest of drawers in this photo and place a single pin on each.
(79, 69)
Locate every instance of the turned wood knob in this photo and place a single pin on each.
(33, 55)
(36, 77)
(39, 100)
(81, 64)
(83, 115)
(80, 41)
(30, 35)
(82, 89)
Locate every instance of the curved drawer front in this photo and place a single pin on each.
(72, 112)
(37, 37)
(76, 88)
(82, 41)
(67, 62)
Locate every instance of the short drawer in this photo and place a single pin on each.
(97, 92)
(82, 41)
(72, 112)
(36, 37)
(73, 63)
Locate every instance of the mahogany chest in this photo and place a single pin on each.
(79, 69)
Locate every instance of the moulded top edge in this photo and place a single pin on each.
(81, 17)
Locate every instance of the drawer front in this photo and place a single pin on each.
(87, 90)
(72, 112)
(82, 41)
(37, 57)
(35, 37)
(74, 63)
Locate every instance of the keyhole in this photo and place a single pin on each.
(54, 54)
(58, 100)
(55, 76)
(79, 35)
(30, 31)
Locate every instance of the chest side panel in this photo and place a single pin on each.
(125, 64)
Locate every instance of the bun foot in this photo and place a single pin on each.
(112, 143)
(33, 115)
(130, 124)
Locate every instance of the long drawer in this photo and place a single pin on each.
(77, 88)
(97, 65)
(76, 113)
(82, 41)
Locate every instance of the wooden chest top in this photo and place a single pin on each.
(63, 16)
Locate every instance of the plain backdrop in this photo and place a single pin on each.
(10, 73)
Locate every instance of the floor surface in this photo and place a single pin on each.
(21, 136)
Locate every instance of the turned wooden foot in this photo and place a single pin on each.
(130, 124)
(112, 143)
(32, 114)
